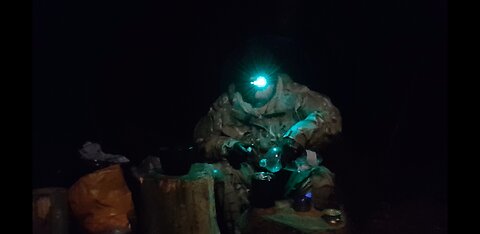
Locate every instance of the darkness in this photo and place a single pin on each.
(135, 76)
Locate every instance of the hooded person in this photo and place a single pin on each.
(264, 108)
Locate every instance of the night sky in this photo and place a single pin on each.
(136, 76)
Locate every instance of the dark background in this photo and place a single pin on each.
(135, 76)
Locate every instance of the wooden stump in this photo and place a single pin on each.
(179, 204)
(50, 213)
(287, 221)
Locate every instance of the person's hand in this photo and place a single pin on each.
(239, 153)
(291, 150)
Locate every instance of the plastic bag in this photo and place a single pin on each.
(101, 201)
(93, 151)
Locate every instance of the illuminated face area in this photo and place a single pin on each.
(263, 89)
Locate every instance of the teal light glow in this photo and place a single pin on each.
(260, 82)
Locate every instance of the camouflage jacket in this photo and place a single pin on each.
(294, 111)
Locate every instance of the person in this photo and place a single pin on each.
(264, 108)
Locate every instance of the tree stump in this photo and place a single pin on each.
(179, 204)
(287, 221)
(50, 214)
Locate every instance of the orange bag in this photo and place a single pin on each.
(101, 200)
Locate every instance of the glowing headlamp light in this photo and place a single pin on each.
(260, 82)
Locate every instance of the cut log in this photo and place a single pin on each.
(179, 204)
(287, 221)
(50, 211)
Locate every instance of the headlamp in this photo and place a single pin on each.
(260, 82)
